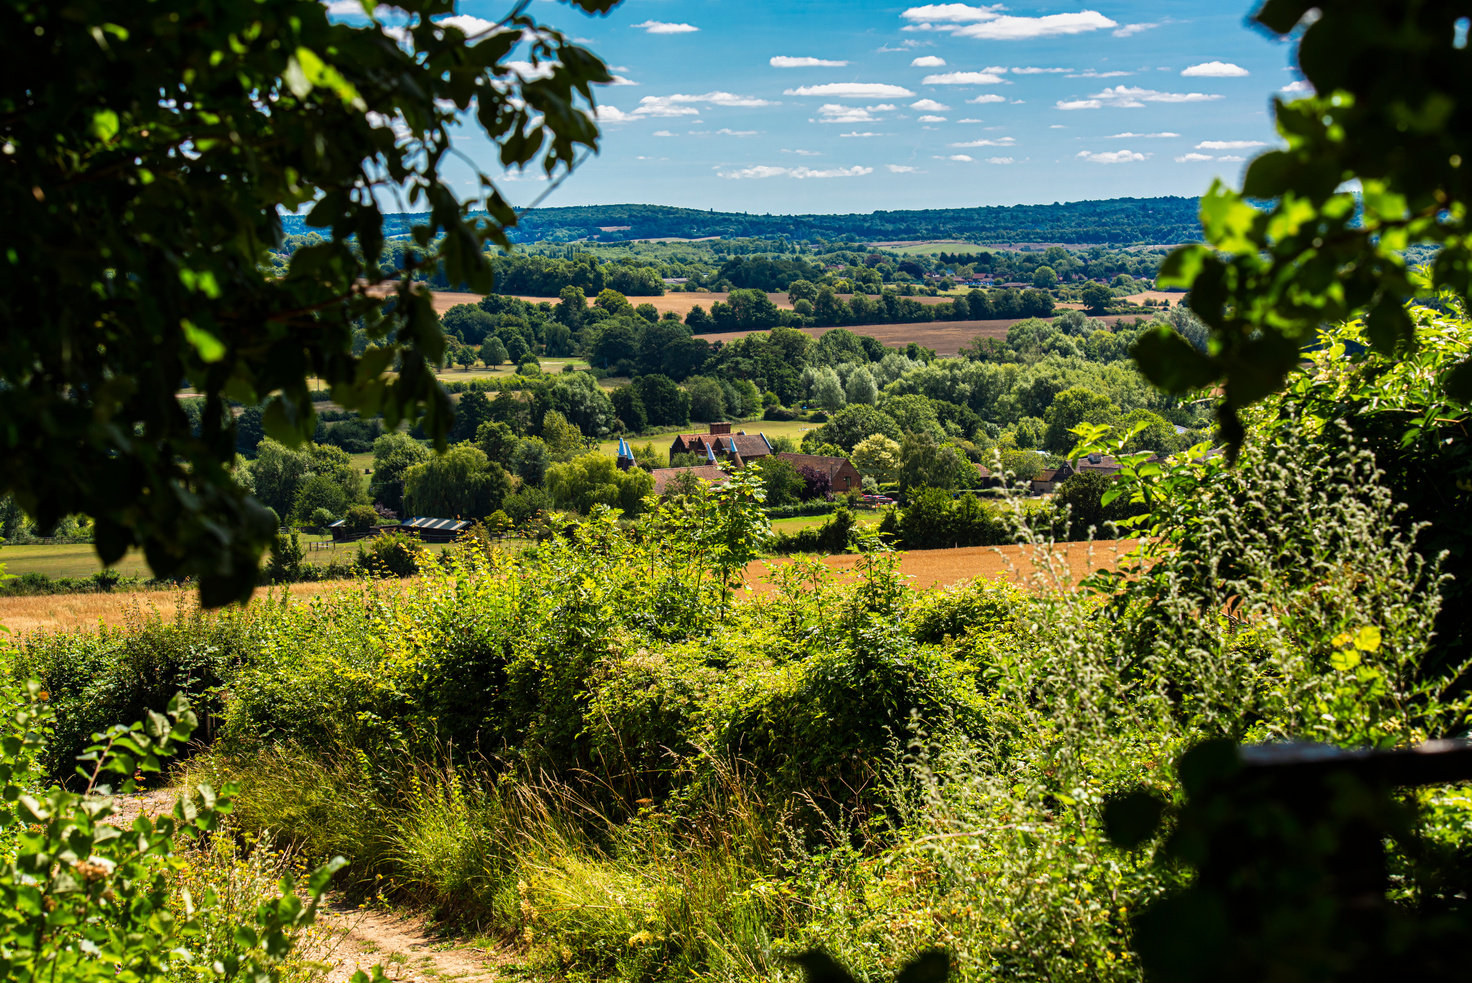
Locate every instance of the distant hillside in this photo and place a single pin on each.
(1116, 221)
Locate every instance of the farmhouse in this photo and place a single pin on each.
(709, 473)
(720, 444)
(843, 477)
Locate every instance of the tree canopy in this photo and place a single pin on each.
(150, 150)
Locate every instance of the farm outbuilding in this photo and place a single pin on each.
(432, 530)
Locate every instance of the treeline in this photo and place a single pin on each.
(1115, 220)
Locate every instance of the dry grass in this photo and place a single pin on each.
(924, 568)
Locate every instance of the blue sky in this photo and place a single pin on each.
(828, 106)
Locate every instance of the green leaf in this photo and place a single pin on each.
(210, 348)
(105, 125)
(1171, 362)
(1180, 268)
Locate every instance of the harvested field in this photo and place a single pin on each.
(924, 568)
(1172, 297)
(946, 338)
(679, 303)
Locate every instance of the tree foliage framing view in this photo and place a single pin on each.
(1390, 109)
(147, 151)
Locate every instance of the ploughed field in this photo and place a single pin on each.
(926, 568)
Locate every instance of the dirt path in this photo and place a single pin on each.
(347, 938)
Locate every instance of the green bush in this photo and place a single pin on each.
(390, 554)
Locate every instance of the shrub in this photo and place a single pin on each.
(391, 554)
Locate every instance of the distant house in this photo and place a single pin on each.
(842, 475)
(432, 530)
(985, 478)
(708, 473)
(720, 444)
(1045, 482)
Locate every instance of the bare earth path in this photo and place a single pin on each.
(347, 938)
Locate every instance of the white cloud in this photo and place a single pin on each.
(932, 119)
(621, 80)
(682, 103)
(1129, 30)
(832, 112)
(663, 27)
(726, 131)
(529, 71)
(1112, 156)
(786, 61)
(928, 61)
(612, 114)
(1040, 71)
(902, 169)
(955, 13)
(962, 78)
(804, 153)
(1094, 73)
(929, 106)
(661, 133)
(1215, 70)
(987, 97)
(344, 8)
(1056, 126)
(963, 158)
(1298, 88)
(1229, 144)
(1133, 97)
(1163, 134)
(1235, 158)
(1000, 160)
(999, 142)
(856, 135)
(1024, 28)
(852, 90)
(1191, 158)
(801, 173)
(970, 121)
(468, 24)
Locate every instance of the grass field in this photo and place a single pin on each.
(67, 560)
(800, 522)
(924, 568)
(945, 338)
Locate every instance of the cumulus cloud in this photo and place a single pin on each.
(902, 169)
(1192, 158)
(987, 97)
(970, 121)
(832, 112)
(664, 27)
(952, 13)
(1214, 70)
(999, 142)
(1112, 156)
(1235, 158)
(929, 106)
(1129, 30)
(786, 61)
(962, 78)
(1229, 144)
(1163, 134)
(1133, 97)
(726, 131)
(1030, 70)
(852, 90)
(801, 173)
(1000, 160)
(683, 103)
(1298, 88)
(1094, 73)
(621, 80)
(612, 114)
(856, 135)
(804, 153)
(928, 61)
(1024, 28)
(963, 158)
(661, 133)
(932, 119)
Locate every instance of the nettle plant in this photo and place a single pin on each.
(83, 897)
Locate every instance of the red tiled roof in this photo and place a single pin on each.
(818, 462)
